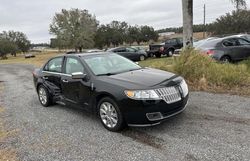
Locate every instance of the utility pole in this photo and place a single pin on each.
(204, 29)
(187, 11)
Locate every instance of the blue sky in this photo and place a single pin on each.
(33, 17)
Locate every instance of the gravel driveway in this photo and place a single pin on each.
(213, 127)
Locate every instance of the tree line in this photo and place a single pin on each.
(79, 29)
(237, 21)
(13, 42)
(117, 33)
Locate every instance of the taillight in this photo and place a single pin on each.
(34, 74)
(210, 52)
(161, 49)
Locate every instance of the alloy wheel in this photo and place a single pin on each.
(108, 114)
(42, 95)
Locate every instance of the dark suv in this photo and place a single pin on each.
(167, 48)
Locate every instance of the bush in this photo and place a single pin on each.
(201, 69)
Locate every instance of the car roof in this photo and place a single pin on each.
(88, 54)
(111, 49)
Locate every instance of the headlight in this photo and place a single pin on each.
(142, 94)
(184, 88)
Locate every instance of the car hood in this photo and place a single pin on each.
(143, 78)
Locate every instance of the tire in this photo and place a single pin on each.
(110, 115)
(170, 52)
(225, 59)
(44, 96)
(142, 57)
(158, 55)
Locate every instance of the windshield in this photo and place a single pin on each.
(109, 64)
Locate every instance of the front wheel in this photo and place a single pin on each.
(110, 115)
(44, 96)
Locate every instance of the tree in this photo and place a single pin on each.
(239, 4)
(187, 11)
(6, 46)
(134, 35)
(148, 33)
(116, 33)
(231, 23)
(19, 39)
(74, 28)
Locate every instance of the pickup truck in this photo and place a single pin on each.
(166, 48)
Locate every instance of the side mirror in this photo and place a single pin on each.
(78, 75)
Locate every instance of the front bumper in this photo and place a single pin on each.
(150, 113)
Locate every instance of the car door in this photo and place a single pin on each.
(245, 45)
(75, 91)
(51, 75)
(122, 52)
(132, 54)
(233, 49)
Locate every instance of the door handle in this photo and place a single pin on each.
(44, 77)
(65, 81)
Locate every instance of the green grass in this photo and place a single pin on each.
(165, 63)
(195, 66)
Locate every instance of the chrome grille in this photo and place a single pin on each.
(169, 94)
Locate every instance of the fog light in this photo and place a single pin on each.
(154, 116)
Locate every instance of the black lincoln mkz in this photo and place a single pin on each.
(117, 89)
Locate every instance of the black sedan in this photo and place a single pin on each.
(130, 53)
(118, 90)
(227, 49)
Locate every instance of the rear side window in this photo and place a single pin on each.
(230, 42)
(171, 41)
(54, 65)
(120, 50)
(130, 50)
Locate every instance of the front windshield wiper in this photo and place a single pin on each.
(106, 74)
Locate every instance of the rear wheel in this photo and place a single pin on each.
(225, 59)
(110, 115)
(44, 96)
(142, 57)
(170, 52)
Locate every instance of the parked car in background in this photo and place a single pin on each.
(130, 53)
(227, 49)
(118, 90)
(93, 51)
(167, 48)
(29, 55)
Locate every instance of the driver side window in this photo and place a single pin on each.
(73, 65)
(54, 65)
